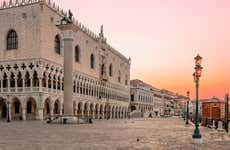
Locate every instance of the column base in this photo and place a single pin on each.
(68, 119)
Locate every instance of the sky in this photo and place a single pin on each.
(162, 37)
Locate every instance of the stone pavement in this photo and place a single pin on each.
(153, 134)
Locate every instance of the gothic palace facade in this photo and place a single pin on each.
(31, 66)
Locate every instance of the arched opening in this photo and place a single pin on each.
(46, 110)
(106, 112)
(35, 79)
(12, 40)
(57, 44)
(27, 79)
(57, 107)
(54, 82)
(77, 54)
(91, 111)
(44, 80)
(49, 81)
(79, 110)
(86, 111)
(16, 110)
(3, 109)
(119, 76)
(133, 108)
(31, 109)
(112, 112)
(12, 80)
(110, 70)
(102, 69)
(92, 61)
(101, 111)
(96, 111)
(116, 111)
(5, 82)
(19, 81)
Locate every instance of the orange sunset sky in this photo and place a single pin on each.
(163, 36)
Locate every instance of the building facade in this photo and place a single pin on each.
(31, 66)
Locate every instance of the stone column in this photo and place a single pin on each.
(68, 71)
(23, 113)
(9, 107)
(31, 84)
(16, 83)
(47, 79)
(8, 84)
(93, 117)
(75, 86)
(103, 114)
(40, 113)
(23, 85)
(40, 84)
(61, 108)
(61, 84)
(52, 81)
(56, 82)
(1, 89)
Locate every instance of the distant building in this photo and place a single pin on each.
(145, 99)
(149, 100)
(212, 109)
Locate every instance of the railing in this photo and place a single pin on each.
(29, 89)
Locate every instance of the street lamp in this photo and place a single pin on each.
(226, 112)
(187, 114)
(197, 75)
(8, 108)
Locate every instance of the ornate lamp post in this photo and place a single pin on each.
(8, 108)
(197, 75)
(187, 114)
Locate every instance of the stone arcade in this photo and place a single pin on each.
(31, 66)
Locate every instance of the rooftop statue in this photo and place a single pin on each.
(68, 19)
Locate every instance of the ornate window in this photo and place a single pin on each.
(110, 70)
(92, 61)
(57, 44)
(77, 54)
(12, 40)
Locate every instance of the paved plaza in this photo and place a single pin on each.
(153, 134)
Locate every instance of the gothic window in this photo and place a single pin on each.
(12, 40)
(110, 70)
(92, 61)
(57, 44)
(77, 54)
(119, 76)
(102, 69)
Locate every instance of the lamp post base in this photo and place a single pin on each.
(197, 140)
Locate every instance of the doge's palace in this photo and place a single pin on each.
(31, 66)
